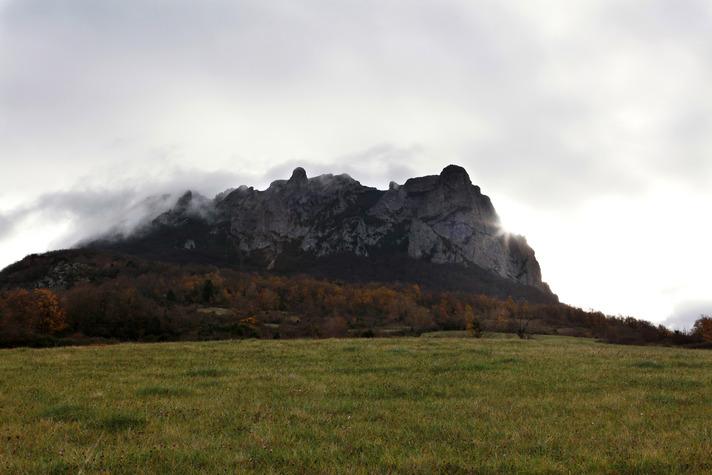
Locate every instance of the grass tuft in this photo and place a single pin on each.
(161, 391)
(120, 423)
(205, 373)
(647, 365)
(66, 413)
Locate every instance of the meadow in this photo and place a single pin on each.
(403, 405)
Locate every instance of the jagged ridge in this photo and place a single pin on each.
(304, 223)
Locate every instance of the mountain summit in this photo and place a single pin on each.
(438, 230)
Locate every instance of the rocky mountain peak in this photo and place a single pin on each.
(184, 200)
(455, 176)
(299, 176)
(439, 219)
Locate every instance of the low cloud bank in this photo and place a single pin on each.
(94, 210)
(102, 209)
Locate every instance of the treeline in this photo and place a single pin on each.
(126, 300)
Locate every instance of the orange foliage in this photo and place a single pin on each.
(138, 300)
(249, 321)
(50, 316)
(25, 315)
(703, 328)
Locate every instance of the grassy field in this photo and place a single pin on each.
(410, 405)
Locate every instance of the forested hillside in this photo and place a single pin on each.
(84, 296)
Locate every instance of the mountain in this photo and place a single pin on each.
(307, 257)
(439, 231)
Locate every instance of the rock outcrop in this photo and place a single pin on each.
(438, 219)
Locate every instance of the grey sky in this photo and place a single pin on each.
(589, 123)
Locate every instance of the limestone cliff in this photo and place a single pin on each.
(439, 219)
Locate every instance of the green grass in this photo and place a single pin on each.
(406, 405)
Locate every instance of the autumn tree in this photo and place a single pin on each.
(472, 325)
(268, 299)
(703, 328)
(504, 313)
(208, 291)
(50, 317)
(25, 315)
(418, 318)
(13, 315)
(523, 318)
(334, 327)
(113, 310)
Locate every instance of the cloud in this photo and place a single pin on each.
(375, 166)
(91, 210)
(544, 96)
(7, 224)
(686, 313)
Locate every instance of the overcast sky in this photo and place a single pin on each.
(589, 123)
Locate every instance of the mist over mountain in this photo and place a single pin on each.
(438, 230)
